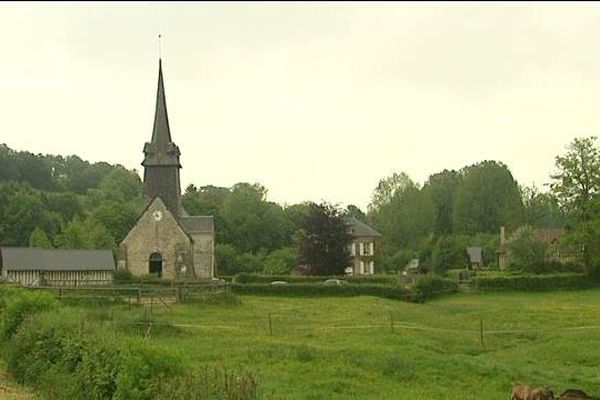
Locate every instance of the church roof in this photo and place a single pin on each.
(198, 224)
(36, 259)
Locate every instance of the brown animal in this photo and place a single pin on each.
(575, 394)
(520, 392)
(524, 392)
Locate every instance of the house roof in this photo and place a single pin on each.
(33, 258)
(475, 254)
(549, 235)
(359, 228)
(198, 224)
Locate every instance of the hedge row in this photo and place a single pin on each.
(425, 288)
(245, 277)
(311, 289)
(534, 282)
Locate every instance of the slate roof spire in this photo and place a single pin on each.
(161, 157)
(161, 132)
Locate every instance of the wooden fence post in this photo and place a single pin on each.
(270, 325)
(139, 296)
(392, 321)
(481, 332)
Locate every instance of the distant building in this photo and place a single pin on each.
(475, 257)
(166, 241)
(56, 267)
(362, 248)
(549, 236)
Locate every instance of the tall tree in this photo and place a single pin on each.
(322, 242)
(487, 198)
(406, 216)
(576, 184)
(441, 188)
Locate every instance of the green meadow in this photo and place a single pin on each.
(328, 347)
(365, 347)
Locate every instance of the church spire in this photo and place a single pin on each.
(161, 134)
(161, 157)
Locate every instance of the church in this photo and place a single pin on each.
(166, 241)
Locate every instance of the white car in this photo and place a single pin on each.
(335, 282)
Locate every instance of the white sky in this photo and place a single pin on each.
(316, 101)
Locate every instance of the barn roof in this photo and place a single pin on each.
(32, 258)
(198, 224)
(359, 228)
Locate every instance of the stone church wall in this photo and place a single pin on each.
(164, 236)
(204, 255)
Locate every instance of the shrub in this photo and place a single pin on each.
(534, 282)
(525, 252)
(23, 305)
(430, 285)
(123, 275)
(448, 252)
(280, 261)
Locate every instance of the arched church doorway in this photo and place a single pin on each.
(155, 264)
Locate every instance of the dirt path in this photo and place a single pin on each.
(9, 390)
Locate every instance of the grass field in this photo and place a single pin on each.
(346, 348)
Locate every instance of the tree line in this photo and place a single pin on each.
(66, 202)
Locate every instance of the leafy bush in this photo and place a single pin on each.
(123, 275)
(22, 305)
(280, 261)
(534, 282)
(431, 285)
(450, 252)
(398, 261)
(525, 251)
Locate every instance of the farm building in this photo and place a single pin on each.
(56, 267)
(549, 236)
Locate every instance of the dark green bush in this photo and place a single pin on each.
(243, 278)
(431, 285)
(459, 275)
(316, 290)
(123, 275)
(535, 282)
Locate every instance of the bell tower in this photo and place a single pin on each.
(161, 158)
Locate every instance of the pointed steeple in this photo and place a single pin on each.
(161, 157)
(161, 133)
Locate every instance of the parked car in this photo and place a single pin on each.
(335, 282)
(279, 283)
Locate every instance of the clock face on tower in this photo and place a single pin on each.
(157, 215)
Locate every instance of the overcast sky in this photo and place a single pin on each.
(316, 101)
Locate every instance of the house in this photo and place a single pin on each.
(362, 248)
(475, 257)
(56, 267)
(549, 236)
(166, 241)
